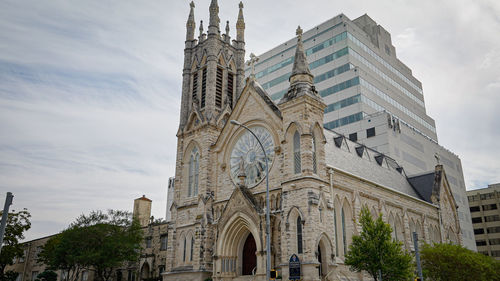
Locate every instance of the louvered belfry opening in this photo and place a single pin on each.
(218, 87)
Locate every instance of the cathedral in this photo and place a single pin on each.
(318, 179)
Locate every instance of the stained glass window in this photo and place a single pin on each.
(248, 150)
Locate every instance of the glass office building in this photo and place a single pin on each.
(371, 97)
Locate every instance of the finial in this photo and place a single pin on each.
(240, 25)
(190, 25)
(251, 63)
(200, 38)
(213, 25)
(227, 28)
(299, 32)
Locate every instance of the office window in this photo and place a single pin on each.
(353, 136)
(370, 132)
(481, 243)
(494, 241)
(492, 218)
(489, 207)
(495, 253)
(495, 229)
(487, 196)
(474, 209)
(479, 231)
(477, 220)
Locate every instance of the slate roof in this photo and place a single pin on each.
(423, 184)
(345, 158)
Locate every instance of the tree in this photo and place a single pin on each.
(17, 224)
(47, 275)
(454, 262)
(99, 241)
(374, 250)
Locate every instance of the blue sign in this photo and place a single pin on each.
(294, 268)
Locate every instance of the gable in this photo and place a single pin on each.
(241, 200)
(253, 104)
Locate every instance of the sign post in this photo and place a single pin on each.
(294, 268)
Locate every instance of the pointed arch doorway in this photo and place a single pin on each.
(249, 258)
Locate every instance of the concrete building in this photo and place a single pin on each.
(358, 75)
(484, 208)
(318, 179)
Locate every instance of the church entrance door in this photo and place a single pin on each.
(249, 257)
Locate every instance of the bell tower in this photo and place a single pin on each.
(212, 79)
(213, 70)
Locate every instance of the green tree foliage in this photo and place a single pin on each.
(47, 275)
(453, 262)
(9, 275)
(17, 224)
(98, 241)
(374, 250)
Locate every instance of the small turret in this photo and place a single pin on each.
(213, 25)
(240, 25)
(190, 25)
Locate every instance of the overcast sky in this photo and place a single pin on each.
(90, 90)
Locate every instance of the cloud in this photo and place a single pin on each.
(90, 90)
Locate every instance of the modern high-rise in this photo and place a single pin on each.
(485, 214)
(371, 96)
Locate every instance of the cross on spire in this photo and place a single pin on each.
(251, 63)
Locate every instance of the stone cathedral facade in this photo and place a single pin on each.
(318, 179)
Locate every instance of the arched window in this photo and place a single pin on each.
(335, 233)
(194, 169)
(299, 235)
(192, 249)
(296, 153)
(315, 164)
(344, 236)
(184, 251)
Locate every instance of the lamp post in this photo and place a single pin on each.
(268, 219)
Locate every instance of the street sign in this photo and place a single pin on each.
(294, 268)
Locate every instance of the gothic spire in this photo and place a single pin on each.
(190, 25)
(240, 25)
(301, 79)
(300, 72)
(213, 25)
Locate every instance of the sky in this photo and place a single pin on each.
(90, 90)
